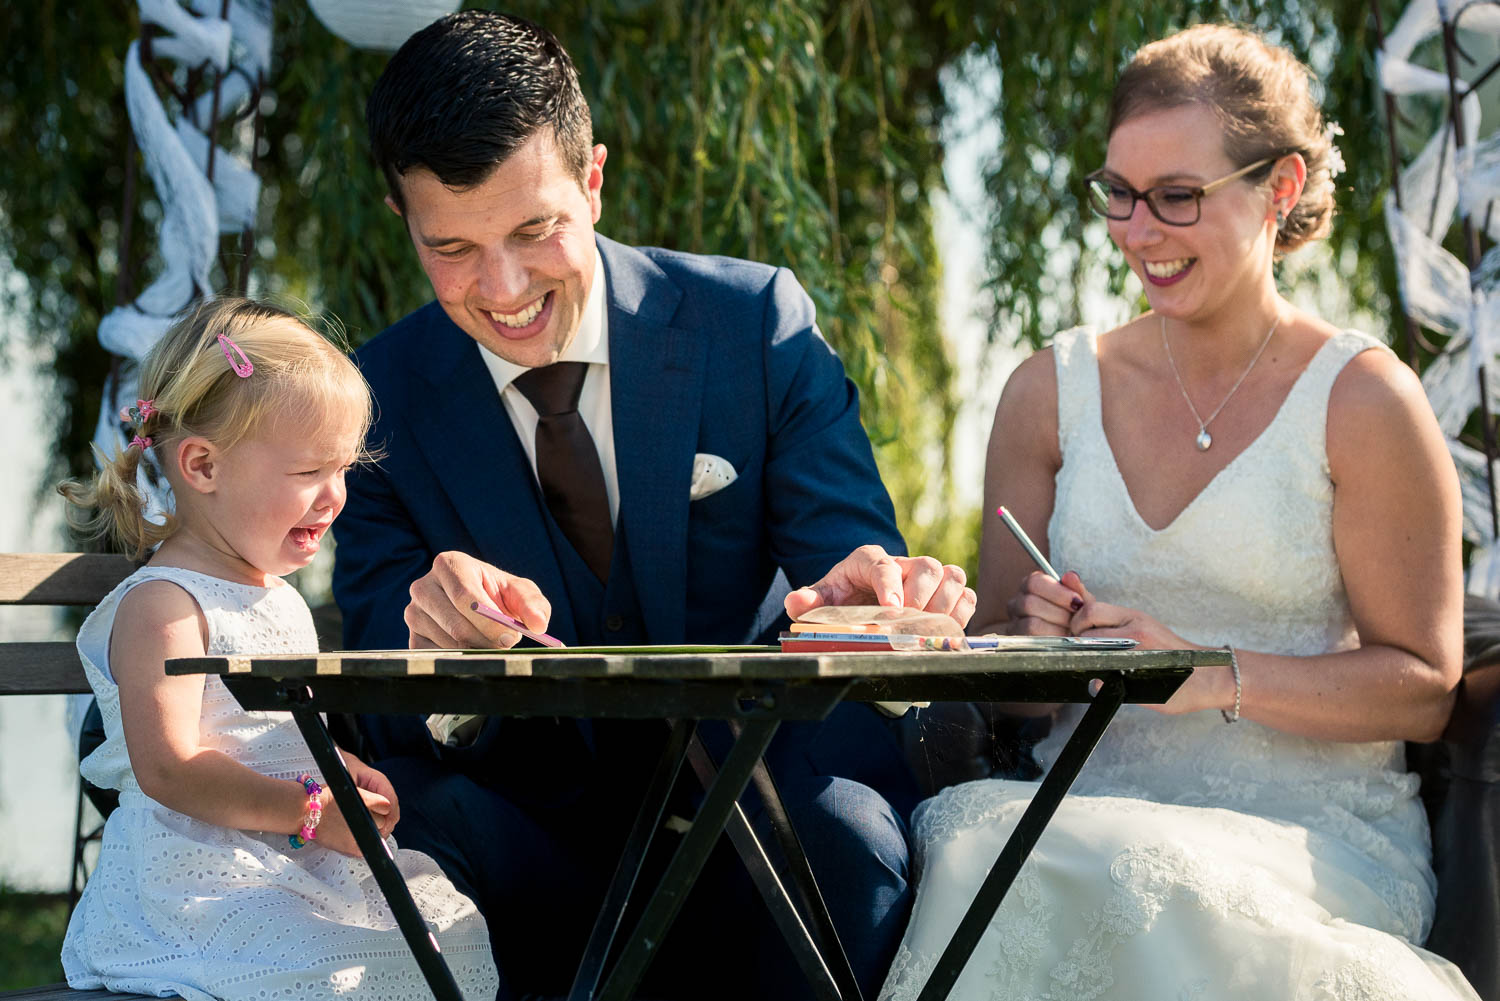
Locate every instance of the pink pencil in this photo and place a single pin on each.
(491, 612)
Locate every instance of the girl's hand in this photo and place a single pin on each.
(1045, 607)
(369, 780)
(333, 830)
(379, 799)
(1206, 688)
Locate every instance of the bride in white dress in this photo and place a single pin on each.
(1223, 470)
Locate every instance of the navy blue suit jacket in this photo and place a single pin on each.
(707, 354)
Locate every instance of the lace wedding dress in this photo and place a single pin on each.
(1195, 859)
(177, 906)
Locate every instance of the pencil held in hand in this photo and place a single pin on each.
(1026, 543)
(511, 623)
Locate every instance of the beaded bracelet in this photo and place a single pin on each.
(1234, 665)
(314, 813)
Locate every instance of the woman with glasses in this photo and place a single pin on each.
(1226, 470)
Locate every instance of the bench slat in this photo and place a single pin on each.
(62, 992)
(41, 669)
(60, 578)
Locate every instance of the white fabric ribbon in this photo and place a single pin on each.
(195, 211)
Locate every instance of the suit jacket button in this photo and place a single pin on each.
(614, 623)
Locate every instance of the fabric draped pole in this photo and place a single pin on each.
(204, 189)
(193, 83)
(1453, 180)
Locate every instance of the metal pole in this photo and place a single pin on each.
(247, 236)
(1413, 335)
(1471, 250)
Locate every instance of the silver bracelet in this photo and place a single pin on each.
(1234, 665)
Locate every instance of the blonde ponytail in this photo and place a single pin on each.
(110, 505)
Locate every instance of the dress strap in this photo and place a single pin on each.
(1076, 355)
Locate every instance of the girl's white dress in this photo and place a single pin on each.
(177, 906)
(1195, 859)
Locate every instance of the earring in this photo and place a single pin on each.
(1280, 220)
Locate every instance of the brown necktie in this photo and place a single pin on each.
(567, 463)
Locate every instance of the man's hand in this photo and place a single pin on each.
(439, 614)
(871, 576)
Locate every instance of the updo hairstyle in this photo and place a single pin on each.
(1262, 96)
(299, 375)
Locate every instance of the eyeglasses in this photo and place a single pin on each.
(1173, 204)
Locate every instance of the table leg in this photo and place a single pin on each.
(688, 860)
(617, 897)
(1043, 804)
(801, 873)
(752, 854)
(423, 943)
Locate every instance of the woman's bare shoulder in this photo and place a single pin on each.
(1033, 382)
(1377, 407)
(1377, 385)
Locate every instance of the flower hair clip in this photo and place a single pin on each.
(140, 443)
(241, 365)
(139, 414)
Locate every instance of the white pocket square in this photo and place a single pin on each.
(711, 473)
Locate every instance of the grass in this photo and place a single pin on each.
(31, 934)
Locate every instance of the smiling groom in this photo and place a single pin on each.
(616, 445)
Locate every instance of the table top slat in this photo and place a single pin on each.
(769, 665)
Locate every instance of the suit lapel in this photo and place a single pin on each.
(472, 447)
(656, 388)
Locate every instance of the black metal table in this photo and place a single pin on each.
(756, 691)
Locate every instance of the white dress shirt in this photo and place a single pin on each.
(591, 345)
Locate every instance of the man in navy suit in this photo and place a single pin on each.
(729, 457)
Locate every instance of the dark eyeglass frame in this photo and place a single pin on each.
(1149, 196)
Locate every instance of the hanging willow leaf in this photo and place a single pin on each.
(802, 133)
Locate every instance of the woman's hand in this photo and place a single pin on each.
(1091, 617)
(1207, 687)
(1045, 607)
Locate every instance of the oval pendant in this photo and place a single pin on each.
(1204, 440)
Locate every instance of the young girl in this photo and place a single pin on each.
(227, 871)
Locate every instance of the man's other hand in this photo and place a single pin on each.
(872, 576)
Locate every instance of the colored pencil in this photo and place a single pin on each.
(490, 612)
(1026, 543)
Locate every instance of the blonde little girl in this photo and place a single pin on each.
(227, 871)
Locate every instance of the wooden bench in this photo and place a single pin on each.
(62, 992)
(79, 580)
(52, 668)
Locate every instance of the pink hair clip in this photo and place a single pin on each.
(242, 367)
(140, 443)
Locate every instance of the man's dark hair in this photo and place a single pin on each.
(468, 90)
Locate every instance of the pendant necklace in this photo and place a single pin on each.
(1204, 439)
